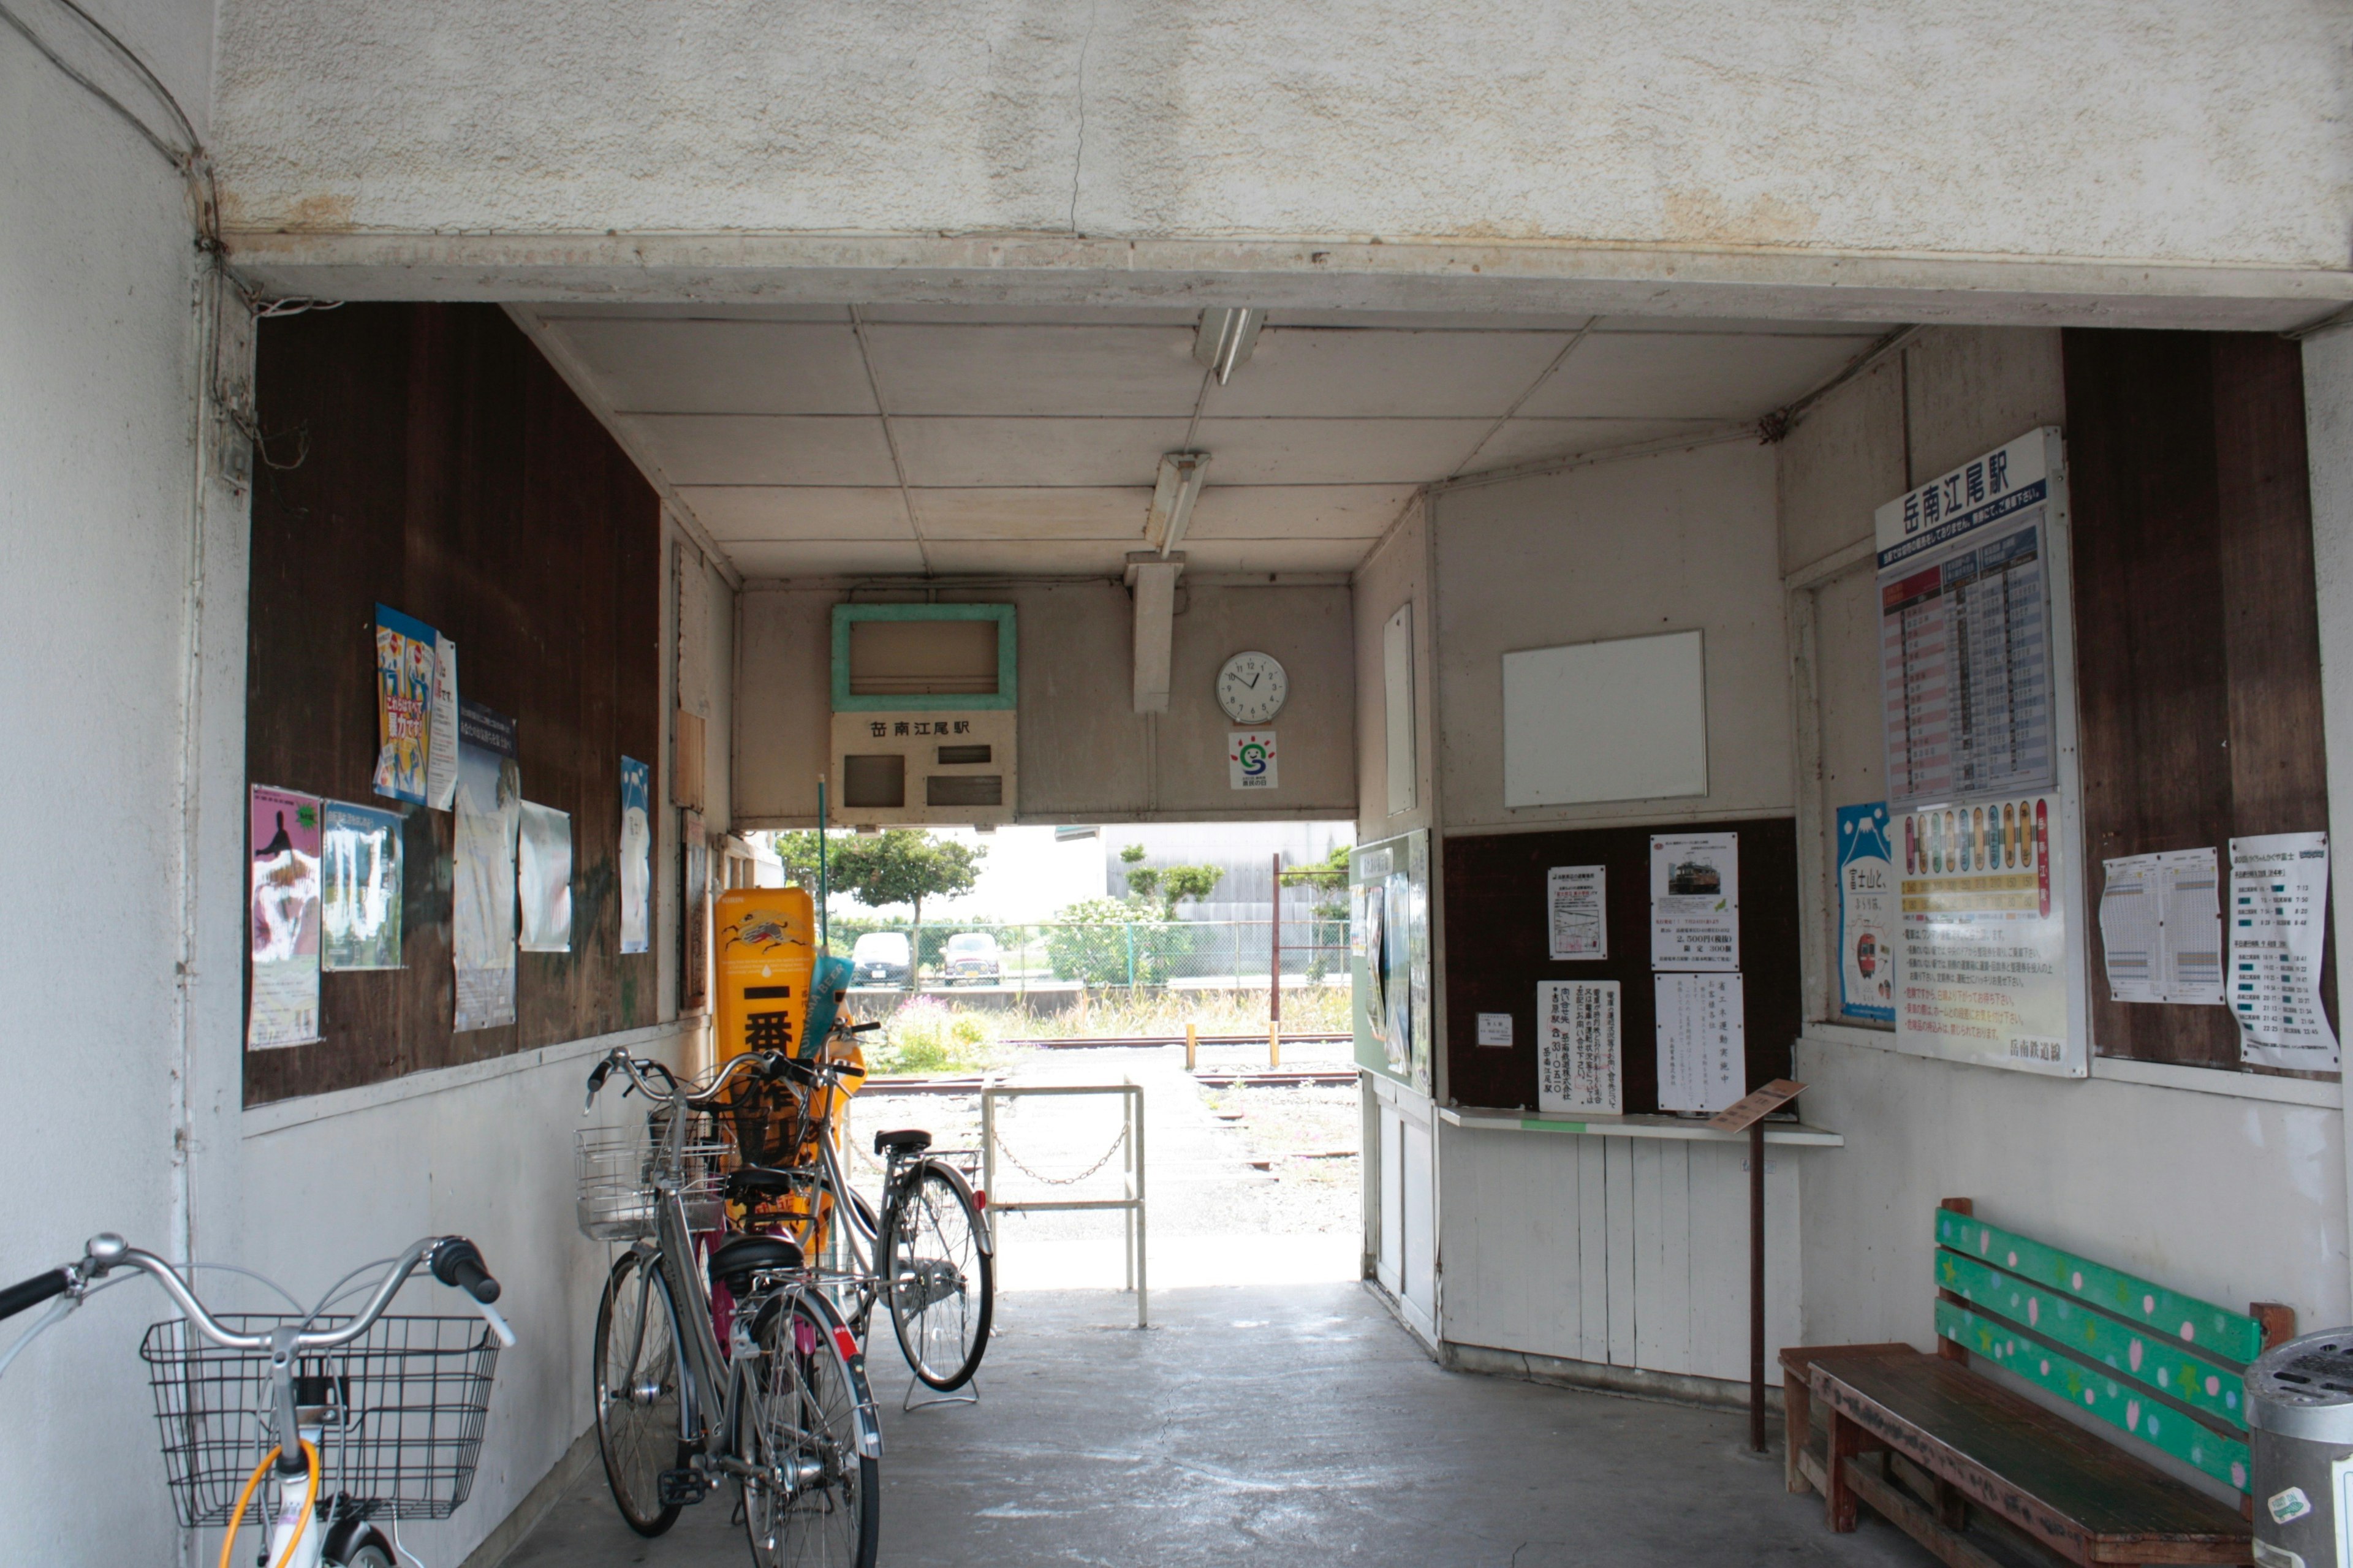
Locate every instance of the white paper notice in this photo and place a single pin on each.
(1580, 1057)
(2279, 906)
(1703, 1041)
(1695, 901)
(441, 734)
(2161, 927)
(1494, 1028)
(1576, 901)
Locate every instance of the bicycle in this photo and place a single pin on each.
(397, 1421)
(926, 1256)
(782, 1408)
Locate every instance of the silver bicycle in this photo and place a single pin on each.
(768, 1391)
(360, 1420)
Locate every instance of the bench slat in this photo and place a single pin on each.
(2217, 1331)
(2152, 1359)
(2118, 1404)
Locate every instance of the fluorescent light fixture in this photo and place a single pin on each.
(1226, 337)
(1173, 495)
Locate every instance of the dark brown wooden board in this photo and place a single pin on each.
(1498, 947)
(447, 471)
(2197, 626)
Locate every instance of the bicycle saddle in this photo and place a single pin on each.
(737, 1258)
(907, 1140)
(762, 1181)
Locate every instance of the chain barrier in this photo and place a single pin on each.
(1006, 1149)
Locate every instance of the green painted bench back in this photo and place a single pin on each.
(2152, 1361)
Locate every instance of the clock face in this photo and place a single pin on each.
(1252, 688)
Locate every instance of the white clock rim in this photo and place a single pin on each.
(1227, 669)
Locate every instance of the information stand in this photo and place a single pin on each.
(1748, 1114)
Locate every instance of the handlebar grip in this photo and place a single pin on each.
(862, 1028)
(459, 1262)
(34, 1291)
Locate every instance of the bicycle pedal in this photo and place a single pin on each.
(682, 1488)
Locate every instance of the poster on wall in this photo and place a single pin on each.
(636, 857)
(1703, 1041)
(1576, 912)
(694, 914)
(544, 878)
(441, 730)
(283, 916)
(1695, 901)
(2162, 928)
(489, 815)
(1866, 914)
(1250, 759)
(1966, 638)
(1580, 1055)
(1391, 992)
(406, 661)
(359, 887)
(2279, 922)
(1983, 962)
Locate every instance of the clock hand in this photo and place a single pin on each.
(1253, 681)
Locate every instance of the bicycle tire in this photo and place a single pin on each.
(805, 1421)
(940, 1313)
(640, 1433)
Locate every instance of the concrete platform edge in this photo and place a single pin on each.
(561, 1477)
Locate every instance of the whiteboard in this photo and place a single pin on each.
(1625, 719)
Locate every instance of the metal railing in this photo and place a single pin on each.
(1130, 1143)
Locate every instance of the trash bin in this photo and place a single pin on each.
(2300, 1425)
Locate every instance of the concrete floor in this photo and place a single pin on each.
(1274, 1425)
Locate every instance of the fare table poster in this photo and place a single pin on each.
(1972, 657)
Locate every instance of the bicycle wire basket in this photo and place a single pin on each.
(616, 1169)
(401, 1410)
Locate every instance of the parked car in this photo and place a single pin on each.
(973, 956)
(880, 958)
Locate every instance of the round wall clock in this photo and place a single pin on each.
(1252, 688)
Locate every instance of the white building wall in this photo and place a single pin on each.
(2228, 1194)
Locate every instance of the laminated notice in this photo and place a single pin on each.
(1580, 1056)
(1576, 899)
(1695, 901)
(2162, 928)
(2279, 908)
(1703, 1041)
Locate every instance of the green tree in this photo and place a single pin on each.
(1094, 940)
(799, 852)
(905, 866)
(1170, 884)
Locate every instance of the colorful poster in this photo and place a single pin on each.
(694, 914)
(1250, 759)
(636, 857)
(1866, 914)
(1703, 1041)
(488, 814)
(1982, 967)
(1577, 905)
(284, 919)
(1580, 1056)
(544, 878)
(405, 663)
(360, 888)
(441, 730)
(1695, 901)
(2279, 923)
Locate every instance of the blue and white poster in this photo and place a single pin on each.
(1866, 883)
(637, 856)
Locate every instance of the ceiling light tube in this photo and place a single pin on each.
(1173, 495)
(1226, 337)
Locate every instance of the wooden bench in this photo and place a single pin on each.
(1937, 1447)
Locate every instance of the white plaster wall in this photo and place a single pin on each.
(2233, 1198)
(2180, 131)
(1620, 549)
(1085, 755)
(98, 525)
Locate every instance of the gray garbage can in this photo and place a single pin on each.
(2300, 1425)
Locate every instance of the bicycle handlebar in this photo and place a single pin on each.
(29, 1293)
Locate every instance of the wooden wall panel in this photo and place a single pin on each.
(450, 473)
(1497, 948)
(2197, 628)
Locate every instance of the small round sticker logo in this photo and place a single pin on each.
(2290, 1504)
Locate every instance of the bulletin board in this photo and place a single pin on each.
(1498, 951)
(435, 463)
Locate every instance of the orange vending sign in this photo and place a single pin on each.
(765, 950)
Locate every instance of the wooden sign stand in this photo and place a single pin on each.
(1748, 1114)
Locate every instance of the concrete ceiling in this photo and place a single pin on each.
(812, 440)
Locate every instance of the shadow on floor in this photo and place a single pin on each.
(1273, 1425)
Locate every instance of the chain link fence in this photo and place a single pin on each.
(1099, 955)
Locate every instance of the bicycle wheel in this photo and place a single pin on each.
(640, 1428)
(821, 1505)
(938, 1277)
